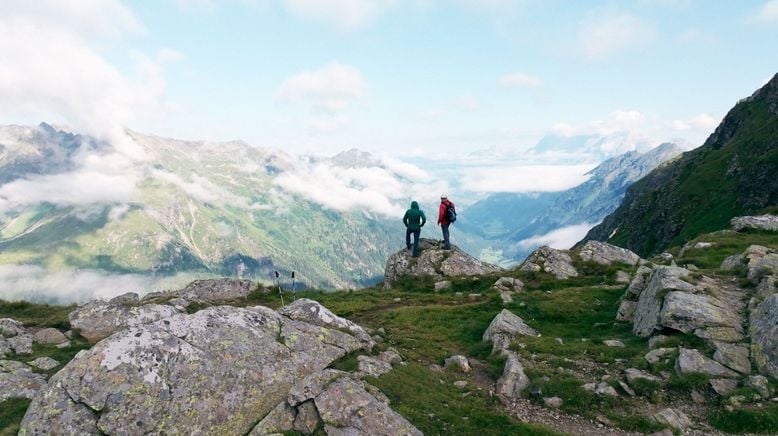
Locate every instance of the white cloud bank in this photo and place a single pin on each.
(561, 238)
(524, 178)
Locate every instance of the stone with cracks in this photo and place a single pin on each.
(672, 417)
(547, 259)
(10, 328)
(662, 280)
(347, 409)
(217, 371)
(18, 381)
(49, 336)
(434, 261)
(734, 356)
(633, 374)
(626, 311)
(217, 290)
(686, 312)
(99, 319)
(761, 222)
(723, 386)
(504, 328)
(279, 420)
(21, 344)
(692, 361)
(508, 284)
(313, 385)
(607, 254)
(764, 336)
(372, 366)
(307, 418)
(44, 363)
(638, 282)
(314, 313)
(513, 381)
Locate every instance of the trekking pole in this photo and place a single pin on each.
(294, 289)
(280, 292)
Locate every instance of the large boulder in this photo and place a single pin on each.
(434, 261)
(662, 280)
(50, 336)
(10, 328)
(220, 370)
(761, 222)
(547, 259)
(100, 319)
(513, 380)
(606, 254)
(687, 312)
(17, 380)
(693, 362)
(734, 356)
(504, 328)
(764, 336)
(314, 313)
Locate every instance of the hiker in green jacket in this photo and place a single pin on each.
(414, 220)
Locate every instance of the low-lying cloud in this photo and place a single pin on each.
(561, 238)
(522, 178)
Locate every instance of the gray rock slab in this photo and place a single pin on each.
(692, 361)
(607, 254)
(764, 336)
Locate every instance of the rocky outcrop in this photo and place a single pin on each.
(687, 312)
(547, 259)
(607, 254)
(217, 290)
(314, 313)
(672, 417)
(435, 262)
(17, 380)
(692, 361)
(760, 222)
(734, 356)
(647, 312)
(220, 370)
(100, 319)
(764, 336)
(513, 380)
(504, 328)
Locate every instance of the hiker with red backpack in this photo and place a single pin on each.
(446, 215)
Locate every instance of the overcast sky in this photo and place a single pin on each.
(392, 76)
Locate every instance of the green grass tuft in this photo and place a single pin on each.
(11, 413)
(744, 420)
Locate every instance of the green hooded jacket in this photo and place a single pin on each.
(414, 218)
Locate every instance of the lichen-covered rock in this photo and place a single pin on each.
(626, 311)
(10, 328)
(127, 299)
(347, 409)
(279, 420)
(764, 336)
(639, 282)
(21, 344)
(5, 349)
(314, 313)
(513, 380)
(606, 254)
(723, 386)
(604, 389)
(307, 418)
(659, 354)
(632, 374)
(45, 363)
(547, 259)
(509, 284)
(504, 328)
(733, 356)
(373, 367)
(18, 381)
(732, 262)
(219, 370)
(100, 319)
(434, 261)
(49, 336)
(686, 312)
(391, 356)
(760, 384)
(458, 362)
(662, 280)
(217, 290)
(761, 222)
(674, 418)
(311, 386)
(692, 361)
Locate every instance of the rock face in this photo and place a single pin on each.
(504, 328)
(764, 336)
(220, 370)
(555, 262)
(434, 261)
(649, 305)
(607, 254)
(100, 319)
(761, 222)
(18, 381)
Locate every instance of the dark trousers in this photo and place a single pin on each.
(416, 234)
(446, 241)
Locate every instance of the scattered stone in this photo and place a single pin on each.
(760, 222)
(513, 380)
(623, 277)
(703, 245)
(50, 336)
(721, 334)
(307, 418)
(506, 297)
(504, 328)
(604, 388)
(474, 296)
(606, 254)
(626, 388)
(589, 387)
(397, 300)
(460, 384)
(698, 397)
(547, 259)
(734, 356)
(10, 328)
(553, 402)
(654, 341)
(760, 384)
(686, 312)
(21, 344)
(18, 381)
(736, 400)
(723, 386)
(732, 262)
(434, 367)
(44, 363)
(348, 409)
(373, 367)
(626, 311)
(441, 285)
(458, 362)
(509, 284)
(604, 420)
(560, 341)
(633, 374)
(665, 256)
(614, 343)
(390, 356)
(63, 345)
(674, 418)
(654, 356)
(692, 361)
(764, 336)
(279, 420)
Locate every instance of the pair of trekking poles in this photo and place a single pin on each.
(281, 291)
